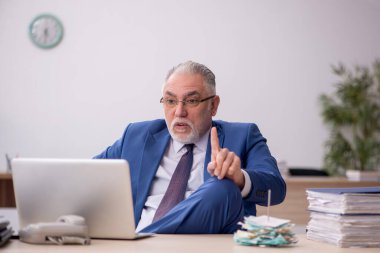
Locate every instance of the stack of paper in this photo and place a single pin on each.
(265, 231)
(347, 217)
(5, 231)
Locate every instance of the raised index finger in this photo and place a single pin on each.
(214, 143)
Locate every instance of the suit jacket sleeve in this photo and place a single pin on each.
(263, 171)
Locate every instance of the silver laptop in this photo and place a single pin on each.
(98, 190)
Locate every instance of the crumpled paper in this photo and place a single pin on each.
(264, 231)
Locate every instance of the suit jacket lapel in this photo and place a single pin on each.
(155, 146)
(219, 128)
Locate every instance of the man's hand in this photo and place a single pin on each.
(224, 163)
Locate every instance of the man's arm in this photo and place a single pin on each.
(258, 163)
(263, 171)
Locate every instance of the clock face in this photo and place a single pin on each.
(46, 31)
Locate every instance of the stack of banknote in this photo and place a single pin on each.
(265, 231)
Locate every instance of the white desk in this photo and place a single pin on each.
(183, 244)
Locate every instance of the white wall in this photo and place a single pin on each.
(271, 59)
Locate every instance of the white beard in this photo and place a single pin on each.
(192, 137)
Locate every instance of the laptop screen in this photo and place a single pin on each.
(98, 190)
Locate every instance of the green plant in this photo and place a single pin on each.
(353, 116)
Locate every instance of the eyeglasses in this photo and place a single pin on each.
(190, 102)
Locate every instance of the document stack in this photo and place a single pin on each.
(347, 217)
(5, 231)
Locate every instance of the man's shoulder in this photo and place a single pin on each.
(235, 129)
(150, 125)
(233, 125)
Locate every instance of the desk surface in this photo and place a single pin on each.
(181, 243)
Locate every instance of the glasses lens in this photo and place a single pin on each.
(170, 102)
(192, 102)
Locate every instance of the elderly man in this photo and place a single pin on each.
(191, 174)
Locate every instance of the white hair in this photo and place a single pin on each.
(194, 68)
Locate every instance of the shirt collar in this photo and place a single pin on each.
(201, 143)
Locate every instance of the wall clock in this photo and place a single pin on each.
(46, 31)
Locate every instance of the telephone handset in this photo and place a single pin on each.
(68, 229)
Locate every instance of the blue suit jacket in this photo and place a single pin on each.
(143, 145)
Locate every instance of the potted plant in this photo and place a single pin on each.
(352, 114)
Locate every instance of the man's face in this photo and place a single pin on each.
(187, 124)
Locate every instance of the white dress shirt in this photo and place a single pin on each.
(165, 171)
